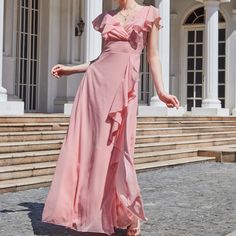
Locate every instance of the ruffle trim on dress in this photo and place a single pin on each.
(152, 17)
(106, 23)
(124, 94)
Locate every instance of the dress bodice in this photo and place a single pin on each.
(133, 33)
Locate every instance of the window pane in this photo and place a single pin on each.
(199, 91)
(221, 34)
(200, 20)
(221, 91)
(190, 19)
(221, 48)
(190, 77)
(199, 11)
(221, 77)
(36, 23)
(34, 98)
(190, 91)
(191, 36)
(199, 51)
(221, 18)
(200, 36)
(190, 50)
(198, 103)
(198, 77)
(30, 97)
(190, 64)
(221, 63)
(198, 64)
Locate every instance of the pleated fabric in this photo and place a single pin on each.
(94, 186)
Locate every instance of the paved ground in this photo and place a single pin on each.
(190, 200)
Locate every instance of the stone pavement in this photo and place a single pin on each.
(189, 200)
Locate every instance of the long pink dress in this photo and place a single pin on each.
(94, 187)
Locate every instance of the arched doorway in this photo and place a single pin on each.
(194, 25)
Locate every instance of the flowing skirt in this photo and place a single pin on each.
(94, 186)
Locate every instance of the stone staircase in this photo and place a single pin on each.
(30, 145)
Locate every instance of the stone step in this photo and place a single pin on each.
(31, 136)
(183, 137)
(21, 184)
(184, 118)
(59, 135)
(30, 146)
(150, 147)
(178, 130)
(27, 170)
(33, 127)
(13, 127)
(169, 163)
(60, 117)
(160, 124)
(35, 118)
(47, 126)
(17, 158)
(146, 157)
(222, 153)
(47, 167)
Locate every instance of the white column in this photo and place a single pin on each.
(211, 56)
(3, 91)
(232, 56)
(6, 108)
(157, 107)
(93, 38)
(211, 105)
(163, 48)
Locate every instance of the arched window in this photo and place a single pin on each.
(195, 57)
(198, 17)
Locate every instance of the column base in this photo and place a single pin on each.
(234, 112)
(3, 94)
(11, 108)
(160, 111)
(68, 108)
(155, 101)
(211, 103)
(59, 103)
(202, 111)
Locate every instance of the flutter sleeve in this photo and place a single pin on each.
(153, 17)
(98, 22)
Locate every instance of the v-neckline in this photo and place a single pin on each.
(128, 22)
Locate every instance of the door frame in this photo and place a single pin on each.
(18, 23)
(183, 64)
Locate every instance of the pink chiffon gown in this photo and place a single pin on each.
(94, 187)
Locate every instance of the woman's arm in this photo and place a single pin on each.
(62, 70)
(153, 59)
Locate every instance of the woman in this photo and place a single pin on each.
(94, 187)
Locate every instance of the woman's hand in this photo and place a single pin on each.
(61, 70)
(170, 100)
